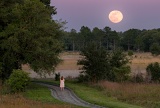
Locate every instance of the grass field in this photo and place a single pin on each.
(139, 61)
(146, 95)
(105, 93)
(94, 95)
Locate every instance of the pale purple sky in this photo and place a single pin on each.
(140, 14)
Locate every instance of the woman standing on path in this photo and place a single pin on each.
(62, 80)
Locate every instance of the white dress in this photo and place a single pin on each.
(62, 83)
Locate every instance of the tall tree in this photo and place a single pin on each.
(30, 37)
(85, 34)
(148, 38)
(107, 33)
(98, 64)
(73, 35)
(129, 39)
(114, 38)
(95, 62)
(97, 35)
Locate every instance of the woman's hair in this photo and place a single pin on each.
(61, 77)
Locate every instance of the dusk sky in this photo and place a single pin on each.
(139, 14)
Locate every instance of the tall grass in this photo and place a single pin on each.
(146, 95)
(18, 101)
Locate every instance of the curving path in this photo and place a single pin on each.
(68, 96)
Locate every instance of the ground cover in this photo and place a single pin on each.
(93, 95)
(35, 96)
(143, 94)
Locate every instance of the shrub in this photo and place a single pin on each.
(130, 53)
(83, 78)
(155, 49)
(18, 81)
(57, 76)
(153, 69)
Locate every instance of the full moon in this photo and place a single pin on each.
(115, 16)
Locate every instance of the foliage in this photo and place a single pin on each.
(155, 49)
(83, 78)
(149, 37)
(95, 62)
(130, 53)
(120, 70)
(132, 39)
(153, 69)
(129, 39)
(121, 73)
(98, 64)
(57, 76)
(18, 81)
(29, 35)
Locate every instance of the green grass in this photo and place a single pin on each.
(97, 96)
(43, 94)
(94, 95)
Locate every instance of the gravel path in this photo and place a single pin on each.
(68, 96)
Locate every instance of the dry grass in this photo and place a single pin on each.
(139, 61)
(143, 59)
(141, 94)
(69, 62)
(18, 101)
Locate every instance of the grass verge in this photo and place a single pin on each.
(43, 94)
(93, 95)
(144, 94)
(35, 96)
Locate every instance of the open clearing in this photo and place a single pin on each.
(69, 67)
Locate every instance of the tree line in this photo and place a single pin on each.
(132, 39)
(29, 35)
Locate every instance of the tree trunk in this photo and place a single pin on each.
(73, 46)
(114, 46)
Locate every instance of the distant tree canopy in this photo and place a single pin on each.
(28, 35)
(132, 39)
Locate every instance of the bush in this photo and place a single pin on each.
(153, 69)
(155, 49)
(57, 76)
(83, 78)
(18, 81)
(130, 53)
